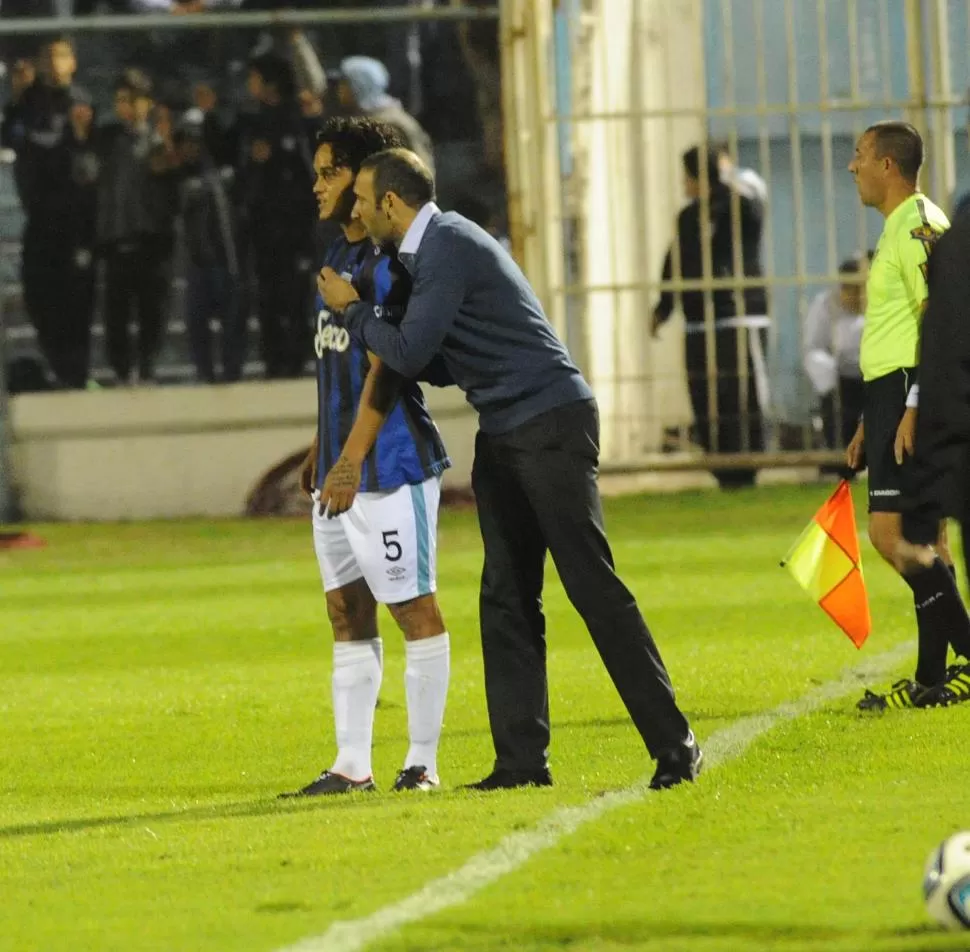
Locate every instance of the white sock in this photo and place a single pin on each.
(357, 669)
(426, 684)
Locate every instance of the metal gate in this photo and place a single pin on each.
(603, 97)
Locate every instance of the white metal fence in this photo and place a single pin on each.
(624, 86)
(601, 97)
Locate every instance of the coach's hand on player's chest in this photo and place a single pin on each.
(336, 292)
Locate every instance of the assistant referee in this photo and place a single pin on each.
(886, 165)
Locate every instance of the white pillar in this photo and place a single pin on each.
(640, 55)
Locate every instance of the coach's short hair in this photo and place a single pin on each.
(899, 141)
(403, 173)
(353, 139)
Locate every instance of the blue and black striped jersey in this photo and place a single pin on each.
(409, 448)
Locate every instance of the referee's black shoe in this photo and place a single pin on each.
(501, 779)
(677, 765)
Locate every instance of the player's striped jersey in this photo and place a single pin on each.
(409, 448)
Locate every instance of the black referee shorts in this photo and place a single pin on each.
(885, 403)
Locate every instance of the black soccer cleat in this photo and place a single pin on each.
(678, 765)
(328, 784)
(502, 779)
(415, 778)
(954, 689)
(904, 693)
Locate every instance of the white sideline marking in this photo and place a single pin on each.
(516, 849)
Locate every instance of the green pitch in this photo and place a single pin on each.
(160, 684)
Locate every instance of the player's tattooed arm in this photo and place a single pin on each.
(377, 398)
(340, 487)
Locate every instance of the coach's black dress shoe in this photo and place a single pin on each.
(678, 765)
(501, 779)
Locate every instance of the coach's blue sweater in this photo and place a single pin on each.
(472, 304)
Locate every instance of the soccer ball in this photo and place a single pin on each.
(946, 883)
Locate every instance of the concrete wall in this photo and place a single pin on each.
(175, 452)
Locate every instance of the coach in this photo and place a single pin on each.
(534, 475)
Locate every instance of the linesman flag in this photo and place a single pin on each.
(826, 562)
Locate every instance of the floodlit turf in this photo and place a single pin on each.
(160, 684)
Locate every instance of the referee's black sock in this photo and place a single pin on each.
(941, 620)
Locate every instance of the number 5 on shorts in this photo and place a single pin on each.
(392, 548)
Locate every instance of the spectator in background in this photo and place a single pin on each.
(831, 339)
(474, 209)
(18, 47)
(746, 182)
(311, 79)
(741, 384)
(136, 216)
(211, 261)
(49, 128)
(275, 194)
(962, 205)
(363, 89)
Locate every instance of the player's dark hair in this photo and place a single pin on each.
(353, 139)
(275, 70)
(135, 81)
(692, 164)
(403, 173)
(899, 141)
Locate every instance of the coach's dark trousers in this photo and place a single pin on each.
(536, 492)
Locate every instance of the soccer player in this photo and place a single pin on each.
(378, 544)
(886, 166)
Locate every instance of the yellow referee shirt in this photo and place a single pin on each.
(896, 287)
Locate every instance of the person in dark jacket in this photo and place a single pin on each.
(211, 259)
(136, 219)
(49, 127)
(741, 386)
(275, 197)
(940, 465)
(939, 469)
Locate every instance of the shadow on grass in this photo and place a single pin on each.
(218, 811)
(653, 934)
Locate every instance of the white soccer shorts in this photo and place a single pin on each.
(389, 539)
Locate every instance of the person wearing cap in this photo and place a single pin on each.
(363, 89)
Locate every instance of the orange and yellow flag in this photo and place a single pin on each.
(826, 562)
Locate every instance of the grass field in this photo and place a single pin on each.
(160, 684)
